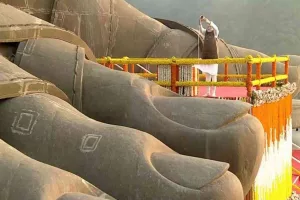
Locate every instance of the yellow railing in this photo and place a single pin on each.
(190, 61)
(175, 62)
(269, 80)
(240, 76)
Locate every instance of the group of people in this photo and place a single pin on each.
(209, 51)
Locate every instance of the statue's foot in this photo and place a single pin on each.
(214, 129)
(24, 178)
(124, 162)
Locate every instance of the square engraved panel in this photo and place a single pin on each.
(24, 122)
(90, 142)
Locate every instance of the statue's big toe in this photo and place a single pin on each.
(210, 178)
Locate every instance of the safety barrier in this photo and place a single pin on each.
(171, 71)
(272, 107)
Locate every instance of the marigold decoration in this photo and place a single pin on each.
(273, 108)
(260, 97)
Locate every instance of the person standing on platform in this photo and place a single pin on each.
(210, 51)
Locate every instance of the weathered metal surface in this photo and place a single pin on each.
(16, 82)
(17, 26)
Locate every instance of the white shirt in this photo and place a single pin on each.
(216, 29)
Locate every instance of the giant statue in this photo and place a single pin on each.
(56, 99)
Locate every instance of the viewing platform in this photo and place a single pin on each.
(179, 75)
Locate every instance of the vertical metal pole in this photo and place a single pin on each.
(249, 79)
(258, 74)
(274, 73)
(286, 70)
(226, 72)
(125, 67)
(173, 77)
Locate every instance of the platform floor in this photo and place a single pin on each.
(296, 164)
(228, 92)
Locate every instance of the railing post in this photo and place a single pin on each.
(125, 66)
(157, 72)
(174, 75)
(258, 73)
(249, 76)
(103, 63)
(286, 70)
(106, 64)
(132, 68)
(274, 71)
(109, 63)
(226, 72)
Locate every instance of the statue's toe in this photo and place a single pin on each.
(210, 178)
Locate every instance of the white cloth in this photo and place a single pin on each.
(211, 69)
(216, 29)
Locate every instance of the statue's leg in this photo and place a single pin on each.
(24, 178)
(213, 129)
(124, 162)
